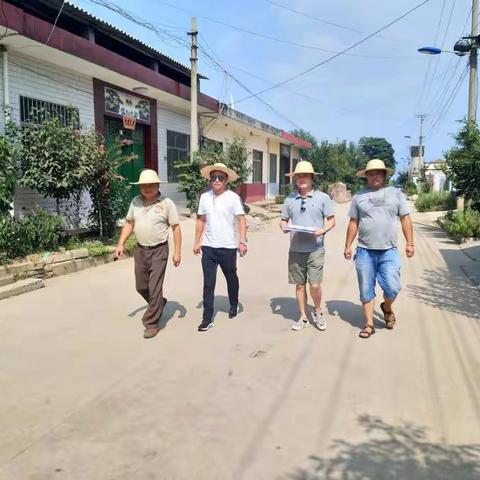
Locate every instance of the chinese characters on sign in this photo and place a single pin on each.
(126, 105)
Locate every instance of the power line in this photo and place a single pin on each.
(320, 20)
(443, 87)
(55, 23)
(424, 86)
(274, 39)
(447, 105)
(311, 17)
(363, 40)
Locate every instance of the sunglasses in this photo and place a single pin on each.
(303, 205)
(220, 178)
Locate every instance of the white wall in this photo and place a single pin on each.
(168, 120)
(45, 82)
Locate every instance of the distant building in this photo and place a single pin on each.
(435, 176)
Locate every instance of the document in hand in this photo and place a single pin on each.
(298, 228)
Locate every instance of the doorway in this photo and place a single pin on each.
(130, 143)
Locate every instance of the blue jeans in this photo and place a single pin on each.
(377, 265)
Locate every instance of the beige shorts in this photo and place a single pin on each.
(306, 267)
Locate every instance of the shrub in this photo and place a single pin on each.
(410, 189)
(462, 224)
(434, 201)
(38, 231)
(8, 174)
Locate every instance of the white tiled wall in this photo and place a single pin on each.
(45, 82)
(168, 120)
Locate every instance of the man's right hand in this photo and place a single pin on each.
(348, 253)
(197, 249)
(119, 251)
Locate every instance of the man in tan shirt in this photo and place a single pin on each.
(150, 217)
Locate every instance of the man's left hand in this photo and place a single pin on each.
(242, 249)
(410, 251)
(319, 232)
(176, 259)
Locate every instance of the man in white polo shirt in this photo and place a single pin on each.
(218, 213)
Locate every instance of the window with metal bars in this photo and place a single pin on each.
(36, 112)
(257, 166)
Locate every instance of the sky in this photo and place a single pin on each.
(377, 89)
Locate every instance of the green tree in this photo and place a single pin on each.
(305, 154)
(108, 189)
(56, 159)
(235, 156)
(380, 148)
(8, 173)
(463, 162)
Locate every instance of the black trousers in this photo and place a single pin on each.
(211, 259)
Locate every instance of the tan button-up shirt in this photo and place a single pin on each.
(151, 222)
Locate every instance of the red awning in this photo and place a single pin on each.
(298, 142)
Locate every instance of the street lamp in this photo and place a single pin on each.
(465, 46)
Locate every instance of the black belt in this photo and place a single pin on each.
(147, 247)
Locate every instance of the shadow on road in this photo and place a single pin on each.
(392, 451)
(222, 304)
(171, 308)
(352, 313)
(286, 307)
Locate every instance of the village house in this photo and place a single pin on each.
(114, 81)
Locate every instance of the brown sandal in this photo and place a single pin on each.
(367, 331)
(389, 317)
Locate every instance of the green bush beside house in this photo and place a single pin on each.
(435, 201)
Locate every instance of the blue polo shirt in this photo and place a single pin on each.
(308, 211)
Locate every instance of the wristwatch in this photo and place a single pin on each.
(243, 243)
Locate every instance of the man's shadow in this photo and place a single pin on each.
(352, 313)
(222, 304)
(169, 311)
(287, 307)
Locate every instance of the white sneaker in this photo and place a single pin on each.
(319, 320)
(300, 324)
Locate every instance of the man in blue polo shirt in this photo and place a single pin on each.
(306, 207)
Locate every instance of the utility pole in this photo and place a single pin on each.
(473, 82)
(422, 118)
(193, 91)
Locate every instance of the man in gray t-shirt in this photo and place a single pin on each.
(312, 211)
(374, 214)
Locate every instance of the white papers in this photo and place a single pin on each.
(298, 228)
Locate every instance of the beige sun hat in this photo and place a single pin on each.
(303, 167)
(375, 164)
(219, 167)
(147, 176)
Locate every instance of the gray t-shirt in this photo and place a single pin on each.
(377, 212)
(310, 212)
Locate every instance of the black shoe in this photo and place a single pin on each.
(205, 325)
(233, 312)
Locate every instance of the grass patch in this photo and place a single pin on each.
(434, 202)
(462, 224)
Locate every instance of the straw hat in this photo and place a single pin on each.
(147, 176)
(219, 167)
(303, 167)
(375, 164)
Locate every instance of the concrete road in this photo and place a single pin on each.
(84, 396)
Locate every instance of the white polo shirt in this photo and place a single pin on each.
(221, 212)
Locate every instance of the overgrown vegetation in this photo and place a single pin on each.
(33, 233)
(435, 201)
(108, 189)
(463, 162)
(234, 156)
(462, 224)
(8, 174)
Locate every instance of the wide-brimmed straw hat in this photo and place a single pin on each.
(219, 167)
(375, 164)
(303, 167)
(147, 176)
